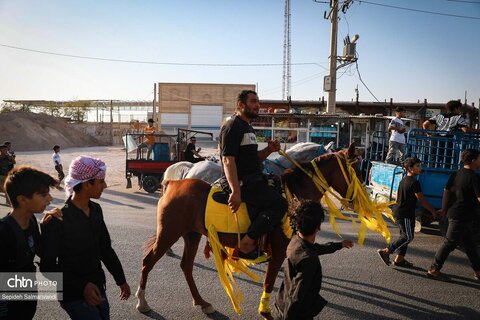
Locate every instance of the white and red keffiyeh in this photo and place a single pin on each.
(84, 168)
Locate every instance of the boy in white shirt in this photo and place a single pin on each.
(57, 161)
(397, 138)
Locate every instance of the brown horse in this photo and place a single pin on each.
(181, 213)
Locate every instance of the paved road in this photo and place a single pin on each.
(356, 283)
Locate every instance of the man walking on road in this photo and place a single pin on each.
(465, 184)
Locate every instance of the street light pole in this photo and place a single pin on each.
(333, 57)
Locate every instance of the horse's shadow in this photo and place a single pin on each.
(217, 316)
(204, 267)
(385, 299)
(155, 315)
(152, 314)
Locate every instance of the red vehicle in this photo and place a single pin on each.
(167, 150)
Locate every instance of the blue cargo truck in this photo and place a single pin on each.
(440, 153)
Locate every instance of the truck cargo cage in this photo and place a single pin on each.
(378, 146)
(440, 149)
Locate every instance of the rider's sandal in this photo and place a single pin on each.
(404, 264)
(252, 255)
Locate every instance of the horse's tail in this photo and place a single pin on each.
(147, 246)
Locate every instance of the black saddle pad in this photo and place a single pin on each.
(222, 197)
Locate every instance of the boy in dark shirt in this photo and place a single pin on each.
(409, 191)
(298, 297)
(77, 245)
(29, 192)
(6, 164)
(465, 184)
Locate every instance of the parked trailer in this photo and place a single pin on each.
(167, 150)
(440, 153)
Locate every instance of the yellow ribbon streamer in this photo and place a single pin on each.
(226, 267)
(369, 213)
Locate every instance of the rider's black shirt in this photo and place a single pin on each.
(238, 140)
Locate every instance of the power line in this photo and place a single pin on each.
(158, 63)
(422, 11)
(360, 78)
(295, 83)
(476, 2)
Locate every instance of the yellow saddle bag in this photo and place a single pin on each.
(220, 215)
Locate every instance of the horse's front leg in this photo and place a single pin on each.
(279, 245)
(155, 250)
(192, 241)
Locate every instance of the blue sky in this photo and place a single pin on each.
(404, 55)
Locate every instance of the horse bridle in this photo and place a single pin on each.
(320, 181)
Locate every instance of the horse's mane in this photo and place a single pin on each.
(293, 177)
(328, 156)
(320, 160)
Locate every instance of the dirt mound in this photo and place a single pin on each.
(38, 131)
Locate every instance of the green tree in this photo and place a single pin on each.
(9, 107)
(77, 110)
(52, 108)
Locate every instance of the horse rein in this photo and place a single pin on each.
(320, 181)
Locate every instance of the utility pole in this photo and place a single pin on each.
(154, 114)
(348, 57)
(333, 57)
(286, 85)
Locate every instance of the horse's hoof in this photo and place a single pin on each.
(266, 315)
(142, 304)
(208, 309)
(170, 252)
(143, 307)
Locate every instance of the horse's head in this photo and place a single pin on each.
(332, 170)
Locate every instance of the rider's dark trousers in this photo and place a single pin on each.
(458, 231)
(269, 204)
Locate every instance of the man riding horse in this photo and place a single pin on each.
(242, 172)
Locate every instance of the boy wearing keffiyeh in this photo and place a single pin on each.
(77, 245)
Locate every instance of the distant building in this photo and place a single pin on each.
(196, 106)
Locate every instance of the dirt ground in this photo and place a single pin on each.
(29, 131)
(113, 156)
